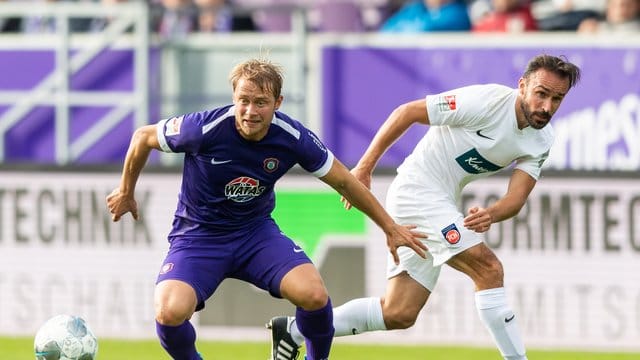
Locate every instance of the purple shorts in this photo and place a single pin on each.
(260, 255)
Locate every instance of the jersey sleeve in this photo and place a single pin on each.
(463, 106)
(532, 165)
(181, 134)
(315, 157)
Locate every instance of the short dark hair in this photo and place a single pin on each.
(559, 65)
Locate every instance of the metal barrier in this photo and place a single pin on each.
(128, 29)
(182, 87)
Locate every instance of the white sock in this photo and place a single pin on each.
(353, 317)
(499, 319)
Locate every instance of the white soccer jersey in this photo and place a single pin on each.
(473, 134)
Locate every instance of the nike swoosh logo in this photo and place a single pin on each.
(218, 162)
(297, 250)
(509, 318)
(481, 135)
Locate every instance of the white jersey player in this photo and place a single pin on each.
(475, 131)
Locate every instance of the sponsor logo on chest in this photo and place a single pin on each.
(474, 163)
(243, 189)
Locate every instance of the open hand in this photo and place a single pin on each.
(405, 235)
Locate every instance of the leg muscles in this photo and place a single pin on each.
(403, 301)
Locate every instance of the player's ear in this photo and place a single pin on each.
(279, 102)
(522, 84)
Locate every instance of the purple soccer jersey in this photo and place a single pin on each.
(228, 181)
(223, 226)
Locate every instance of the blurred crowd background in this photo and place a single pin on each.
(175, 18)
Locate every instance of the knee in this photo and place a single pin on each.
(491, 274)
(174, 302)
(172, 313)
(314, 298)
(170, 316)
(493, 270)
(303, 286)
(399, 318)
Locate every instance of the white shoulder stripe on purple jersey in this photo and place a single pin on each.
(161, 139)
(286, 127)
(216, 121)
(324, 169)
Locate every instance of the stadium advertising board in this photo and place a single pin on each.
(570, 258)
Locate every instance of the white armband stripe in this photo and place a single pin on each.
(324, 169)
(161, 139)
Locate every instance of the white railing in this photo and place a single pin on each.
(129, 29)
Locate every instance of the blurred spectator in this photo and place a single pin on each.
(39, 24)
(390, 7)
(219, 16)
(99, 24)
(270, 15)
(565, 15)
(47, 24)
(621, 16)
(174, 19)
(429, 15)
(506, 16)
(338, 16)
(10, 24)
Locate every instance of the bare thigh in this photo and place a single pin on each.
(403, 301)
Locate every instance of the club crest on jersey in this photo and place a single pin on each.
(270, 164)
(243, 189)
(173, 126)
(451, 234)
(447, 103)
(166, 268)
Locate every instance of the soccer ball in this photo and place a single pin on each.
(65, 337)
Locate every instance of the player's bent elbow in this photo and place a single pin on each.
(145, 135)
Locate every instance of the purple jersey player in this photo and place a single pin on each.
(233, 156)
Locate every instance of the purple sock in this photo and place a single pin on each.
(179, 341)
(317, 328)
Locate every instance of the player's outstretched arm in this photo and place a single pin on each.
(359, 195)
(400, 119)
(122, 200)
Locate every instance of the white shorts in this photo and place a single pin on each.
(435, 214)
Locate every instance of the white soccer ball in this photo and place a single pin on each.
(65, 337)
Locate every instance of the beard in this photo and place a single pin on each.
(529, 116)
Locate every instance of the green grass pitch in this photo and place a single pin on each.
(22, 349)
